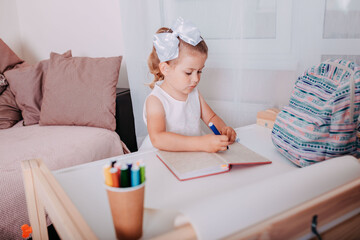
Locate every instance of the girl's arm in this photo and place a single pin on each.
(168, 141)
(208, 115)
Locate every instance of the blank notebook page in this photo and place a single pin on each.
(185, 162)
(239, 154)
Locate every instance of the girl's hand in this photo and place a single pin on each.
(230, 133)
(214, 143)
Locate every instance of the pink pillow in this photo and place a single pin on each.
(26, 84)
(8, 58)
(80, 91)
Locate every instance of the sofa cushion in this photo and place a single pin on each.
(8, 58)
(10, 113)
(58, 147)
(26, 84)
(80, 91)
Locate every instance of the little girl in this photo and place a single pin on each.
(174, 108)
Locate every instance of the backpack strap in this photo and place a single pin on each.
(352, 85)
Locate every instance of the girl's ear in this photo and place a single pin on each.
(164, 68)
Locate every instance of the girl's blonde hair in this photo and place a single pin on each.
(153, 60)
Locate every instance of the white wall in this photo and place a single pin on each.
(257, 49)
(88, 27)
(9, 26)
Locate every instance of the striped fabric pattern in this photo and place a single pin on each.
(321, 119)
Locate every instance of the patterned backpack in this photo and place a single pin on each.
(321, 120)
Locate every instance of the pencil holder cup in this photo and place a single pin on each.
(127, 210)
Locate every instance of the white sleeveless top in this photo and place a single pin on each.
(182, 117)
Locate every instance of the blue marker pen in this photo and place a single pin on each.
(215, 131)
(135, 175)
(129, 164)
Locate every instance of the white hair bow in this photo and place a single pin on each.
(167, 44)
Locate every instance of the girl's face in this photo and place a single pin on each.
(184, 75)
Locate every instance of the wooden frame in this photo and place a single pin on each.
(44, 192)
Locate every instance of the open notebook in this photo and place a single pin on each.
(189, 165)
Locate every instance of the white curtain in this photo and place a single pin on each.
(257, 48)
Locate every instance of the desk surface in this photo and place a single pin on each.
(196, 198)
(84, 184)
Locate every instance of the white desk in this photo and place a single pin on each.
(84, 186)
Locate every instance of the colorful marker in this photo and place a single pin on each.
(117, 165)
(215, 131)
(113, 163)
(142, 172)
(129, 164)
(115, 177)
(118, 174)
(135, 175)
(125, 176)
(107, 175)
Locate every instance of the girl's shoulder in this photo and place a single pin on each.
(152, 99)
(153, 103)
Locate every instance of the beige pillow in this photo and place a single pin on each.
(26, 84)
(80, 91)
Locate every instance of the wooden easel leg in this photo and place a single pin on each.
(35, 208)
